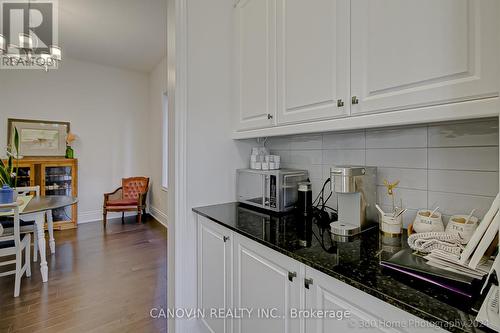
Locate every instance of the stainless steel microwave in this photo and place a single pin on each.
(274, 190)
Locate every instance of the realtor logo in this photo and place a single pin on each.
(29, 34)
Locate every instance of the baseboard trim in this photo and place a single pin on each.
(89, 216)
(96, 215)
(159, 216)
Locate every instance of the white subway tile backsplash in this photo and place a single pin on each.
(412, 199)
(344, 157)
(349, 140)
(326, 171)
(476, 133)
(279, 143)
(305, 157)
(406, 137)
(306, 142)
(315, 171)
(453, 203)
(465, 182)
(316, 187)
(451, 165)
(468, 158)
(397, 158)
(409, 178)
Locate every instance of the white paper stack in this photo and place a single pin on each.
(471, 261)
(443, 260)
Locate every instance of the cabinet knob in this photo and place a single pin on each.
(225, 238)
(269, 116)
(292, 275)
(308, 282)
(340, 103)
(354, 100)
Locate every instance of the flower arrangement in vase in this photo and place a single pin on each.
(8, 173)
(70, 138)
(390, 192)
(391, 223)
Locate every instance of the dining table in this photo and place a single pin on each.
(35, 211)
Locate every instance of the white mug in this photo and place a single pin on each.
(457, 226)
(425, 223)
(392, 225)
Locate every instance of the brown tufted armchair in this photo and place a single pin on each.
(131, 196)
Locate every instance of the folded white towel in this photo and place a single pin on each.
(425, 242)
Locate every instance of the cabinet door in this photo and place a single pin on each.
(25, 175)
(263, 285)
(60, 178)
(214, 273)
(353, 310)
(408, 54)
(255, 63)
(313, 59)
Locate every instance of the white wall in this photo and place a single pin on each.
(453, 165)
(157, 88)
(212, 156)
(107, 108)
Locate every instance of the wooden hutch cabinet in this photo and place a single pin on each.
(55, 176)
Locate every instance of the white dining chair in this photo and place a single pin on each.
(12, 244)
(26, 190)
(27, 224)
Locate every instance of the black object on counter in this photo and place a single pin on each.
(304, 202)
(304, 214)
(459, 289)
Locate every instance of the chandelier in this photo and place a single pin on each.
(24, 52)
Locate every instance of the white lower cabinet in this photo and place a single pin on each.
(267, 283)
(343, 316)
(214, 273)
(266, 291)
(348, 309)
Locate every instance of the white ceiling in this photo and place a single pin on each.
(130, 34)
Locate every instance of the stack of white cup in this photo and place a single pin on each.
(262, 160)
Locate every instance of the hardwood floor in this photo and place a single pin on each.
(99, 281)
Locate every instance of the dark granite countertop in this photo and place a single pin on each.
(356, 262)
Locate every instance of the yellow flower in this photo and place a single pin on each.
(70, 138)
(390, 187)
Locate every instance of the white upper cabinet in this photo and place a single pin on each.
(255, 63)
(306, 66)
(312, 59)
(407, 54)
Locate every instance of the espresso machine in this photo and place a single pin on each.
(356, 190)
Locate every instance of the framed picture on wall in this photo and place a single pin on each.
(39, 137)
